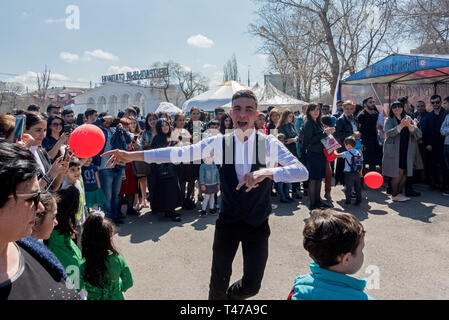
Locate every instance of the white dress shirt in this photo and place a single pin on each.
(276, 153)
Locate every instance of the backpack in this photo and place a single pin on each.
(356, 163)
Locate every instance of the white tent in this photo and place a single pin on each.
(271, 96)
(258, 90)
(219, 96)
(168, 108)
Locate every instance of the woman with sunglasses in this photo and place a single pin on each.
(28, 271)
(400, 148)
(50, 174)
(56, 138)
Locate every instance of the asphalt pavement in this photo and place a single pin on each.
(406, 249)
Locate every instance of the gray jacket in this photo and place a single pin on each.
(445, 130)
(390, 160)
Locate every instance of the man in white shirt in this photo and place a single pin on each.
(247, 159)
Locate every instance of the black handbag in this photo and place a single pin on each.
(140, 169)
(166, 171)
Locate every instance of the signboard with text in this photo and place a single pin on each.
(136, 75)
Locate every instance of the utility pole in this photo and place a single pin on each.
(249, 81)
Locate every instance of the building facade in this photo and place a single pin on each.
(113, 97)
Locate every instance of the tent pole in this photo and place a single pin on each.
(389, 95)
(435, 84)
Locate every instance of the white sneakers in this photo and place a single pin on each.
(400, 197)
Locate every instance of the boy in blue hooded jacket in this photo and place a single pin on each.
(335, 242)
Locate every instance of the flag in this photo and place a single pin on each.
(336, 94)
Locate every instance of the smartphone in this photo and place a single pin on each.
(135, 138)
(18, 128)
(66, 153)
(68, 128)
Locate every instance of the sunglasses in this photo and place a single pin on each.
(35, 197)
(395, 106)
(435, 102)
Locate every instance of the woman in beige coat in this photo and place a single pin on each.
(400, 149)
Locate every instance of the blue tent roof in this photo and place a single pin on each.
(404, 69)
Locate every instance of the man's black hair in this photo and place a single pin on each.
(435, 96)
(403, 99)
(219, 109)
(89, 112)
(365, 101)
(52, 106)
(33, 107)
(66, 112)
(17, 164)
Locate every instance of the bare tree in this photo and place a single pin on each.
(3, 92)
(333, 32)
(191, 83)
(43, 83)
(427, 24)
(230, 70)
(15, 90)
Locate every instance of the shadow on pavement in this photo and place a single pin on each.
(152, 226)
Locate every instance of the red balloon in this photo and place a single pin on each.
(86, 141)
(374, 180)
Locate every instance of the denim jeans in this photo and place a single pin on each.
(284, 190)
(111, 181)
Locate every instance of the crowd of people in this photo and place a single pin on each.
(70, 207)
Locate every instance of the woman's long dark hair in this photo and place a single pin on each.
(391, 114)
(50, 120)
(222, 123)
(311, 107)
(68, 206)
(150, 114)
(160, 140)
(96, 243)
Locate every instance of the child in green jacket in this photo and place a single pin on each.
(61, 239)
(105, 274)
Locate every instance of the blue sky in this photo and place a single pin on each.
(117, 36)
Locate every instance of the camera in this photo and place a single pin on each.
(68, 128)
(115, 122)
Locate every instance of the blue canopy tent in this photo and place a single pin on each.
(403, 69)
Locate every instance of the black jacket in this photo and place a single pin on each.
(343, 129)
(313, 133)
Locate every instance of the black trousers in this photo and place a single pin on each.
(227, 238)
(352, 180)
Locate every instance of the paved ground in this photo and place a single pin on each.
(406, 246)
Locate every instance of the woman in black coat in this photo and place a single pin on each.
(165, 193)
(316, 160)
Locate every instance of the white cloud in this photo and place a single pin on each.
(186, 68)
(99, 54)
(200, 41)
(29, 79)
(24, 15)
(209, 66)
(68, 57)
(122, 69)
(51, 21)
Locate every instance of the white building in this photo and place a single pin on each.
(115, 96)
